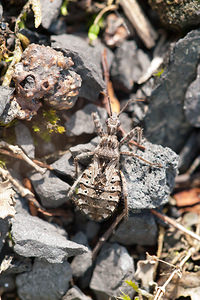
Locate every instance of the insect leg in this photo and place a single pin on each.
(137, 131)
(81, 156)
(125, 193)
(137, 156)
(97, 124)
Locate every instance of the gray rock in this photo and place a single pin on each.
(165, 122)
(21, 205)
(87, 63)
(51, 190)
(140, 229)
(4, 228)
(50, 11)
(65, 165)
(5, 96)
(34, 237)
(82, 122)
(149, 186)
(192, 101)
(128, 66)
(113, 266)
(189, 152)
(24, 139)
(92, 229)
(45, 282)
(14, 264)
(7, 283)
(75, 294)
(82, 264)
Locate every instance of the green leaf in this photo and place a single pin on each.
(133, 285)
(93, 32)
(63, 9)
(123, 296)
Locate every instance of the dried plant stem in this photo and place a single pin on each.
(140, 22)
(103, 11)
(177, 271)
(175, 224)
(18, 151)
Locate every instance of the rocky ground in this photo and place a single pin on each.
(53, 77)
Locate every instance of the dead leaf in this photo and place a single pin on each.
(145, 272)
(189, 198)
(6, 200)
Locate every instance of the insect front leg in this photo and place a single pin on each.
(128, 153)
(135, 132)
(97, 124)
(81, 156)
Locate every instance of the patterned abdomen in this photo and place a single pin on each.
(97, 197)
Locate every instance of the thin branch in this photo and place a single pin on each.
(175, 224)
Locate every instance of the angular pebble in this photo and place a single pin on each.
(75, 294)
(50, 11)
(113, 266)
(166, 122)
(140, 229)
(51, 190)
(24, 139)
(149, 186)
(86, 63)
(34, 237)
(45, 282)
(82, 122)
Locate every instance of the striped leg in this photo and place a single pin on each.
(124, 193)
(137, 131)
(81, 156)
(97, 124)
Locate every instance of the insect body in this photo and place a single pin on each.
(99, 188)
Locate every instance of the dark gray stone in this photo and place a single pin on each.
(92, 229)
(140, 229)
(149, 186)
(192, 101)
(86, 63)
(45, 282)
(4, 228)
(81, 264)
(128, 66)
(82, 122)
(24, 139)
(7, 283)
(75, 294)
(21, 205)
(65, 165)
(51, 190)
(113, 266)
(189, 152)
(165, 122)
(34, 237)
(50, 11)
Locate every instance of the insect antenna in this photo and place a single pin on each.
(129, 102)
(106, 78)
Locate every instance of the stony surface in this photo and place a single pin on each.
(179, 15)
(14, 264)
(149, 186)
(165, 122)
(192, 101)
(34, 237)
(87, 63)
(5, 94)
(4, 227)
(82, 122)
(24, 139)
(50, 189)
(75, 294)
(128, 66)
(50, 11)
(140, 229)
(65, 165)
(113, 266)
(45, 282)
